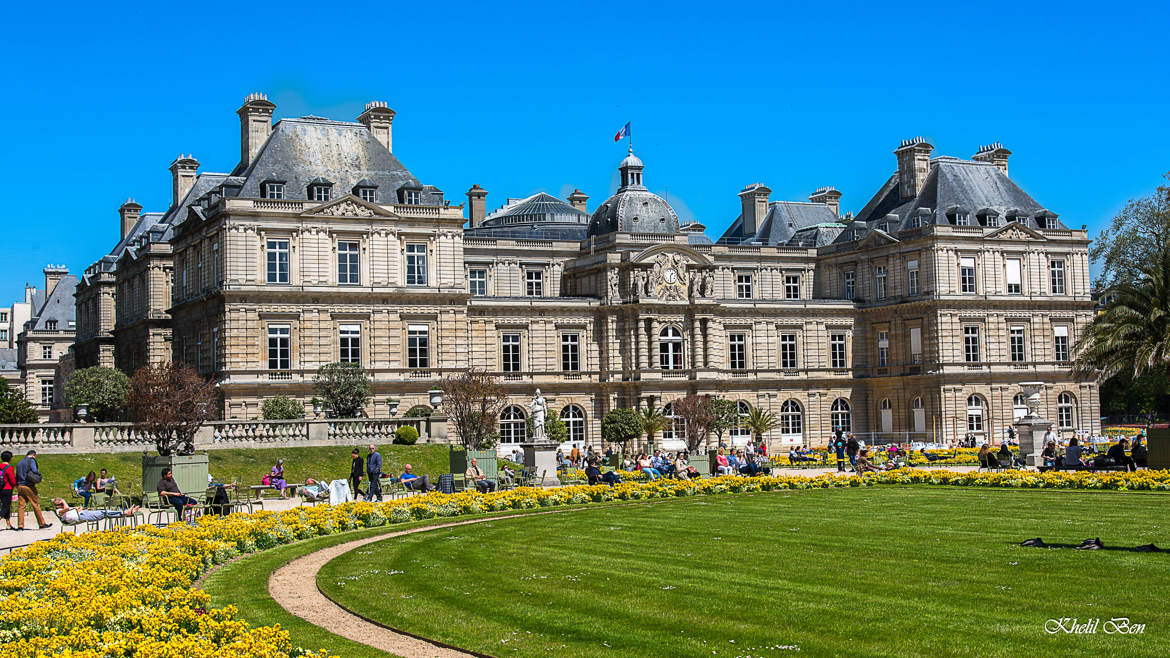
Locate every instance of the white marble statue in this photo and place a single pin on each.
(538, 407)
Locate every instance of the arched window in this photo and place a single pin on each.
(791, 421)
(886, 415)
(670, 349)
(512, 428)
(841, 416)
(1019, 406)
(740, 434)
(975, 414)
(918, 416)
(676, 429)
(1066, 411)
(574, 419)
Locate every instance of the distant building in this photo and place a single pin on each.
(45, 338)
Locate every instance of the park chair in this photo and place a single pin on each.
(90, 526)
(242, 497)
(155, 507)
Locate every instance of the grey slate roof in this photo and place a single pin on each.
(343, 153)
(634, 210)
(60, 306)
(539, 231)
(783, 220)
(817, 235)
(8, 359)
(538, 208)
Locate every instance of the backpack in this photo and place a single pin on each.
(266, 480)
(2, 469)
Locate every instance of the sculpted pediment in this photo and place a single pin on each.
(349, 206)
(876, 238)
(687, 254)
(1015, 231)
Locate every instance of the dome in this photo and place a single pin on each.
(634, 209)
(631, 160)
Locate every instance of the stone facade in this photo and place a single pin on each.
(287, 264)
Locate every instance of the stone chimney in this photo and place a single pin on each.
(828, 196)
(913, 166)
(53, 275)
(255, 125)
(754, 200)
(577, 199)
(477, 205)
(129, 213)
(994, 153)
(378, 118)
(183, 172)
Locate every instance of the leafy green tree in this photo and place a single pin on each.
(344, 387)
(102, 390)
(726, 416)
(14, 408)
(620, 426)
(760, 422)
(278, 407)
(653, 422)
(1133, 240)
(554, 428)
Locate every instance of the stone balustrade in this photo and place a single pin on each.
(123, 437)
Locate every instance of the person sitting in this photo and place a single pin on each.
(987, 458)
(864, 465)
(748, 465)
(645, 467)
(508, 475)
(71, 515)
(1072, 456)
(1117, 454)
(722, 465)
(1007, 457)
(1139, 453)
(415, 482)
(1048, 456)
(86, 486)
(930, 456)
(168, 491)
(680, 469)
(276, 478)
(107, 484)
(476, 477)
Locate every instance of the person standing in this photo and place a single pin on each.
(356, 468)
(7, 486)
(852, 447)
(374, 472)
(28, 476)
(838, 446)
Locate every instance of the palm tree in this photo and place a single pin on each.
(653, 422)
(1132, 334)
(760, 422)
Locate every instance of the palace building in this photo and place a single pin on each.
(928, 315)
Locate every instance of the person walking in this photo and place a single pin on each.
(356, 468)
(7, 486)
(374, 472)
(28, 476)
(852, 447)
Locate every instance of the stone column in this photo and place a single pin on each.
(643, 343)
(696, 346)
(655, 328)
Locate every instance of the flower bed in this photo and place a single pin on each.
(128, 592)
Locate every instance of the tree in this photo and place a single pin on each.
(419, 411)
(554, 428)
(699, 412)
(726, 416)
(620, 426)
(102, 390)
(344, 387)
(760, 422)
(474, 400)
(653, 422)
(278, 407)
(1133, 239)
(168, 403)
(14, 408)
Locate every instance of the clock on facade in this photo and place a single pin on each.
(670, 276)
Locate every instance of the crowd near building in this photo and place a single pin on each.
(928, 314)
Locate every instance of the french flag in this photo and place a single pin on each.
(623, 133)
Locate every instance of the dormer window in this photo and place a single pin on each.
(412, 197)
(320, 193)
(368, 194)
(990, 220)
(51, 325)
(959, 218)
(274, 190)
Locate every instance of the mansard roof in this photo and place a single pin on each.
(60, 306)
(780, 225)
(539, 207)
(301, 150)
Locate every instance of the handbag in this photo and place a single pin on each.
(33, 477)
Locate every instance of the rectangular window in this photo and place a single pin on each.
(879, 282)
(1014, 277)
(418, 346)
(971, 344)
(416, 264)
(412, 197)
(368, 194)
(1056, 276)
(214, 349)
(788, 351)
(743, 286)
(915, 345)
(792, 286)
(737, 351)
(278, 258)
(279, 350)
(883, 338)
(274, 190)
(850, 280)
(215, 265)
(570, 352)
(510, 352)
(477, 282)
(912, 277)
(3, 316)
(534, 283)
(46, 351)
(3, 334)
(1016, 344)
(967, 275)
(320, 193)
(1060, 344)
(837, 359)
(349, 343)
(46, 393)
(347, 263)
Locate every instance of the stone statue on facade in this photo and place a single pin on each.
(539, 408)
(614, 291)
(640, 283)
(708, 284)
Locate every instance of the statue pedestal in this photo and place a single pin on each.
(541, 457)
(1031, 430)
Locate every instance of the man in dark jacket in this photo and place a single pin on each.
(838, 446)
(356, 472)
(374, 472)
(1117, 454)
(27, 478)
(852, 447)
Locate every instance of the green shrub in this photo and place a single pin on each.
(102, 390)
(279, 407)
(406, 436)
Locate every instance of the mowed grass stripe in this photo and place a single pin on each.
(891, 571)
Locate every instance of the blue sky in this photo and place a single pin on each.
(526, 97)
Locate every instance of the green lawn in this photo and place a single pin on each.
(246, 465)
(888, 571)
